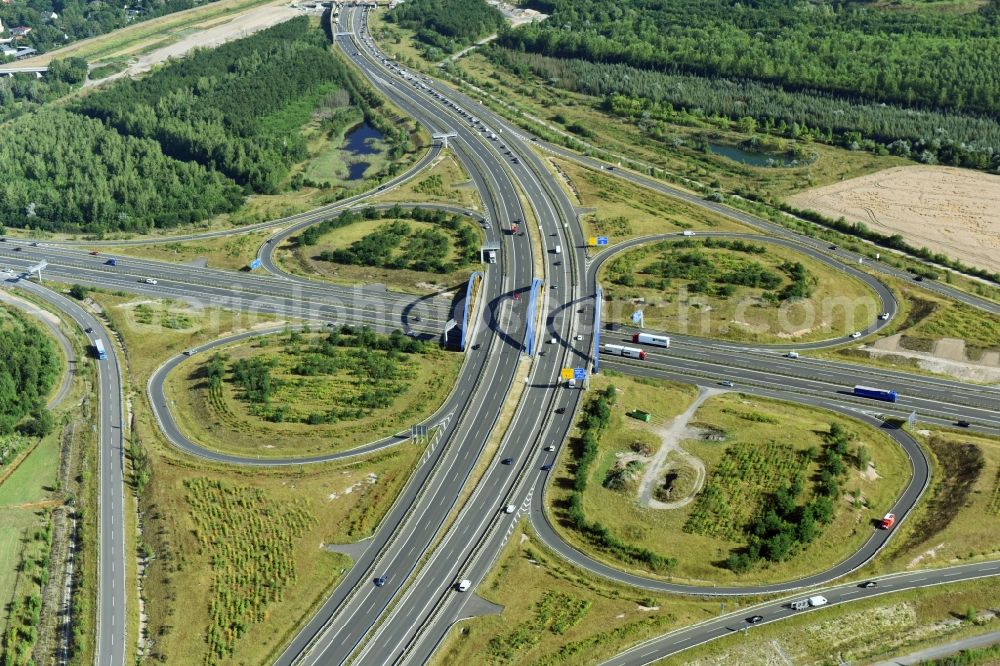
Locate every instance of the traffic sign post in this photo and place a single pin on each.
(602, 240)
(567, 374)
(255, 264)
(579, 374)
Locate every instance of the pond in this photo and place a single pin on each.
(361, 140)
(751, 158)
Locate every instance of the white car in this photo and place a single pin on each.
(510, 508)
(884, 315)
(856, 334)
(464, 585)
(150, 281)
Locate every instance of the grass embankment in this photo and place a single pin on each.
(858, 632)
(556, 614)
(744, 291)
(446, 181)
(195, 548)
(970, 336)
(762, 450)
(299, 394)
(231, 252)
(621, 210)
(951, 523)
(417, 251)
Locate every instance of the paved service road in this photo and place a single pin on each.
(658, 648)
(111, 594)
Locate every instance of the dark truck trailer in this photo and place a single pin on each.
(875, 393)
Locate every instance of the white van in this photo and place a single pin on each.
(688, 233)
(558, 249)
(792, 355)
(817, 601)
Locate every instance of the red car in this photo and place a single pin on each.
(94, 253)
(888, 521)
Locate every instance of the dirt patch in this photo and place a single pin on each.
(957, 469)
(236, 28)
(671, 436)
(949, 210)
(986, 370)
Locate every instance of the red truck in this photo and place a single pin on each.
(888, 521)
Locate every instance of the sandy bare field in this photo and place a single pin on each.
(239, 26)
(949, 210)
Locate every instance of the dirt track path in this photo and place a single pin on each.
(671, 436)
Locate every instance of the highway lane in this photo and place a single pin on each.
(308, 217)
(650, 651)
(351, 610)
(111, 594)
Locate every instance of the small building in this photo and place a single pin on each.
(20, 31)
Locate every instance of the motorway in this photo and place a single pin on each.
(405, 620)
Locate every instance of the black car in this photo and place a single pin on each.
(919, 278)
(962, 424)
(833, 247)
(507, 461)
(868, 583)
(88, 330)
(546, 468)
(476, 346)
(755, 619)
(380, 581)
(560, 410)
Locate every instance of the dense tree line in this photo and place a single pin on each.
(24, 92)
(62, 171)
(447, 25)
(208, 108)
(933, 59)
(656, 99)
(30, 366)
(79, 19)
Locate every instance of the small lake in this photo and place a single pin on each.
(750, 158)
(356, 170)
(360, 140)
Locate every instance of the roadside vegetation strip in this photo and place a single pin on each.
(555, 613)
(727, 434)
(863, 630)
(275, 391)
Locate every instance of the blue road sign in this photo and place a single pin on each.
(602, 240)
(579, 374)
(255, 264)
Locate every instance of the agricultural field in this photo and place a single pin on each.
(948, 210)
(621, 210)
(947, 526)
(766, 461)
(232, 253)
(309, 393)
(328, 504)
(413, 250)
(736, 290)
(859, 632)
(556, 614)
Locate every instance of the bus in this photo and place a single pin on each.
(99, 350)
(648, 339)
(875, 393)
(627, 352)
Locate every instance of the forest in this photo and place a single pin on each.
(182, 144)
(79, 19)
(30, 366)
(655, 100)
(25, 92)
(936, 60)
(447, 25)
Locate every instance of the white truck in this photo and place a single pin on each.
(558, 249)
(493, 256)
